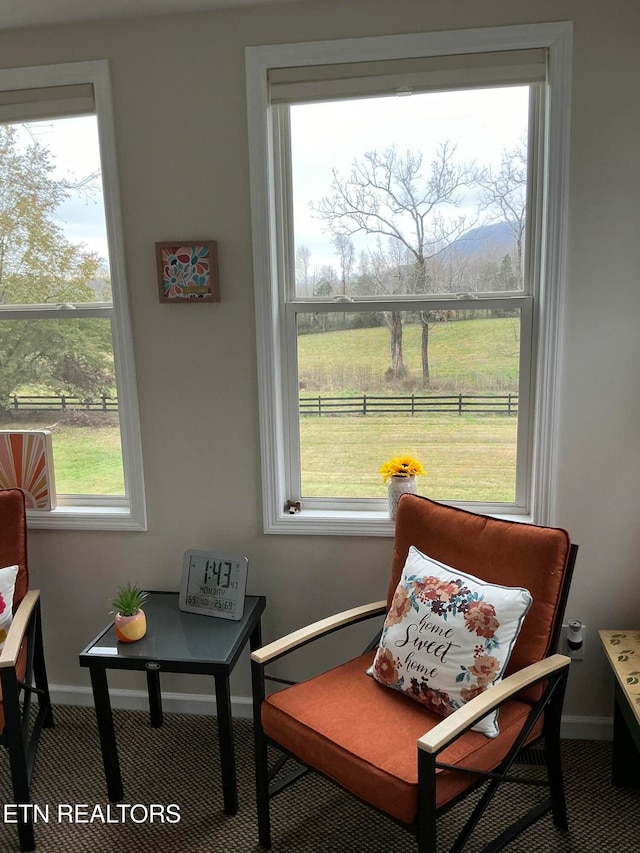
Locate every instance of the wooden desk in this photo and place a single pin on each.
(623, 653)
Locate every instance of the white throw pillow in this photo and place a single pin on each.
(448, 636)
(7, 585)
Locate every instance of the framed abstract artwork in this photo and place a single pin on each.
(26, 462)
(188, 271)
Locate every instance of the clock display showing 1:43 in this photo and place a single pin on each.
(213, 584)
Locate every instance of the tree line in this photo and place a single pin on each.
(39, 265)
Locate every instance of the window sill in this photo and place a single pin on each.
(354, 523)
(76, 517)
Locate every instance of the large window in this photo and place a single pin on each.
(401, 270)
(65, 345)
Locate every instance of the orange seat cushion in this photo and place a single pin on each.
(339, 724)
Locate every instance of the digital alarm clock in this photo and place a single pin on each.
(213, 584)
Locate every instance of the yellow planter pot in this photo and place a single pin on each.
(130, 628)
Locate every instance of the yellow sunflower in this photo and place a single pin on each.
(402, 466)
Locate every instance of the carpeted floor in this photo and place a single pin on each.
(178, 766)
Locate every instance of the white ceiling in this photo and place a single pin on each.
(27, 13)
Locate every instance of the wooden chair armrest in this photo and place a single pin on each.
(449, 729)
(317, 629)
(18, 629)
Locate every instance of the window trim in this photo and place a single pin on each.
(270, 324)
(97, 512)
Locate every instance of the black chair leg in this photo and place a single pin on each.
(26, 837)
(556, 784)
(40, 676)
(261, 759)
(553, 757)
(18, 763)
(426, 821)
(262, 792)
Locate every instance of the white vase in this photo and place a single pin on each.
(398, 486)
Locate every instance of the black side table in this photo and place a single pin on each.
(175, 642)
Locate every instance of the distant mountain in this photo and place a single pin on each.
(496, 238)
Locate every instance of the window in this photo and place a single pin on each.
(408, 213)
(65, 342)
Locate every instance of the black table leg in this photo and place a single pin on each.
(255, 640)
(626, 744)
(107, 733)
(155, 698)
(225, 739)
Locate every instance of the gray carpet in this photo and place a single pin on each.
(178, 764)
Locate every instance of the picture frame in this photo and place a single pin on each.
(188, 271)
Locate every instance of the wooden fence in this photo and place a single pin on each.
(62, 403)
(452, 404)
(366, 404)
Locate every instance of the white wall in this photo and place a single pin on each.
(178, 86)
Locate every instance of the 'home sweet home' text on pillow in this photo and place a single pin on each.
(448, 636)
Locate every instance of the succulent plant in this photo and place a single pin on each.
(129, 599)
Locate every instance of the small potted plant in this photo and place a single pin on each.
(400, 473)
(130, 623)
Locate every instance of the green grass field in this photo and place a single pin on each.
(87, 459)
(467, 458)
(469, 356)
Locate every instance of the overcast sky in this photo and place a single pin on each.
(73, 143)
(480, 122)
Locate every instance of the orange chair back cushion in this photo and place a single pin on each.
(13, 539)
(501, 552)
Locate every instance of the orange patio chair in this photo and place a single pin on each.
(22, 666)
(399, 740)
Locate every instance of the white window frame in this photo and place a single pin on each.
(95, 512)
(271, 322)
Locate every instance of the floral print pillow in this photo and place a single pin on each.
(448, 636)
(7, 585)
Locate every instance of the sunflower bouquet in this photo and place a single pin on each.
(402, 466)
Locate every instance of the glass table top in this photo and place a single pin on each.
(175, 636)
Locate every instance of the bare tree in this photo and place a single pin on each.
(345, 250)
(504, 193)
(303, 258)
(393, 196)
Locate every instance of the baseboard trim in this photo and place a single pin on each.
(137, 700)
(573, 727)
(586, 728)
